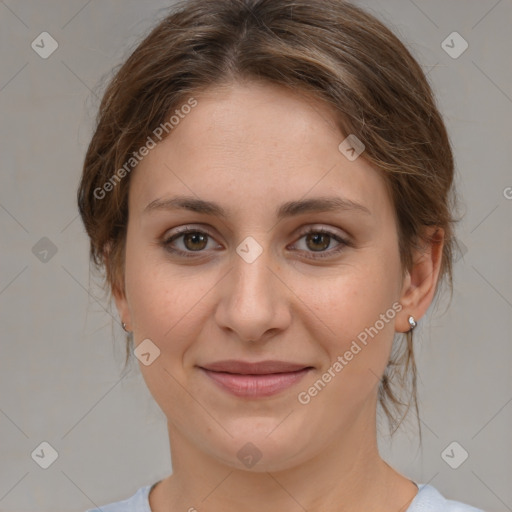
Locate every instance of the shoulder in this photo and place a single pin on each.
(429, 499)
(139, 502)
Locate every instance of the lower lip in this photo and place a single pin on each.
(256, 385)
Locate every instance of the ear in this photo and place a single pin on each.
(420, 281)
(122, 306)
(119, 292)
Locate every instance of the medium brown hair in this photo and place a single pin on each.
(329, 49)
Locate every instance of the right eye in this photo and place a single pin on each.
(192, 240)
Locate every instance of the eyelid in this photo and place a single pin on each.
(301, 231)
(183, 230)
(343, 240)
(317, 227)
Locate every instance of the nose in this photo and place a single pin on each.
(254, 302)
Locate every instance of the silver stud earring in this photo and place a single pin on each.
(412, 323)
(124, 327)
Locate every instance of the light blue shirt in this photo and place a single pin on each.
(428, 499)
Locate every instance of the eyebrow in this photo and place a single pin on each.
(289, 209)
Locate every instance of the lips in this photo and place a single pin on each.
(255, 380)
(247, 368)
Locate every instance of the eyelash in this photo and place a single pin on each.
(166, 242)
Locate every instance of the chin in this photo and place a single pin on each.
(263, 450)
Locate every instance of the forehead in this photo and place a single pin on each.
(255, 145)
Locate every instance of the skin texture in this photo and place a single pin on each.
(251, 147)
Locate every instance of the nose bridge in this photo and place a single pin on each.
(252, 303)
(251, 277)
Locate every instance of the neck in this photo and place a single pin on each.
(348, 474)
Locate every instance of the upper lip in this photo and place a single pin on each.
(260, 368)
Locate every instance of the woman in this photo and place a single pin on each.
(269, 190)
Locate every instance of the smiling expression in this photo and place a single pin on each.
(251, 237)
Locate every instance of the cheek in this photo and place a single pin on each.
(164, 309)
(167, 302)
(156, 300)
(355, 310)
(356, 346)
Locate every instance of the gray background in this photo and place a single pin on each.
(62, 352)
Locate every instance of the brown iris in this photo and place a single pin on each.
(317, 239)
(197, 241)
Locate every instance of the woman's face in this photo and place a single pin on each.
(253, 286)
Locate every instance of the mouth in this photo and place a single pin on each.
(254, 380)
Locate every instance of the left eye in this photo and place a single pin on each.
(318, 240)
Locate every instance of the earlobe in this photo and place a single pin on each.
(122, 307)
(421, 280)
(118, 291)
